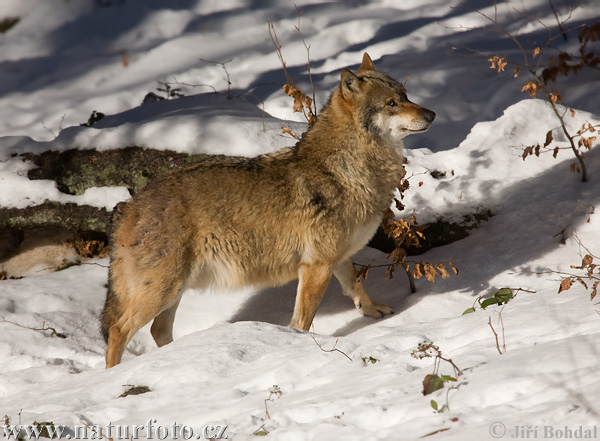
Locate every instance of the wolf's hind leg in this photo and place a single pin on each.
(154, 295)
(312, 283)
(162, 326)
(345, 274)
(121, 332)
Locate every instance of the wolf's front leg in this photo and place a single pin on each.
(345, 274)
(312, 283)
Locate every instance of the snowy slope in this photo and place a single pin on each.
(231, 349)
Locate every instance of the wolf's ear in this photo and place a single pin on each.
(367, 64)
(349, 84)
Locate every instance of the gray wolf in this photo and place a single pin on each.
(299, 213)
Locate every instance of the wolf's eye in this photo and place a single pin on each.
(392, 103)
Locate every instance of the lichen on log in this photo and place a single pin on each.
(70, 216)
(75, 170)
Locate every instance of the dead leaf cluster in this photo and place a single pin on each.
(498, 63)
(590, 279)
(561, 64)
(91, 248)
(428, 350)
(564, 63)
(302, 102)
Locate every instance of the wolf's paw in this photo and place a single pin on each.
(375, 309)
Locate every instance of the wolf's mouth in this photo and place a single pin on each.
(424, 129)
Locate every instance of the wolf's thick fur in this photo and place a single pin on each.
(299, 213)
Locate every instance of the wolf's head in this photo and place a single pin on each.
(380, 105)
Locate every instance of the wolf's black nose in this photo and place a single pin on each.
(429, 116)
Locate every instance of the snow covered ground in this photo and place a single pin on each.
(234, 362)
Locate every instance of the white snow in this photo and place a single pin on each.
(232, 348)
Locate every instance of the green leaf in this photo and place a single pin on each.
(43, 429)
(468, 311)
(434, 404)
(135, 390)
(489, 302)
(448, 378)
(503, 295)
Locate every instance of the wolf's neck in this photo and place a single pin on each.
(338, 131)
(344, 151)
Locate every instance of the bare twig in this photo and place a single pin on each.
(538, 85)
(94, 433)
(59, 126)
(411, 278)
(307, 46)
(70, 264)
(558, 20)
(503, 350)
(94, 263)
(194, 85)
(222, 65)
(44, 328)
(262, 427)
(334, 349)
(590, 209)
(302, 102)
(278, 46)
(274, 391)
(580, 242)
(589, 276)
(260, 102)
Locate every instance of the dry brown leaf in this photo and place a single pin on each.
(453, 268)
(587, 260)
(548, 138)
(418, 271)
(429, 272)
(389, 273)
(363, 272)
(565, 284)
(441, 269)
(289, 131)
(527, 151)
(530, 87)
(399, 254)
(580, 280)
(431, 383)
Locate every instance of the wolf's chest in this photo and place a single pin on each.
(363, 234)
